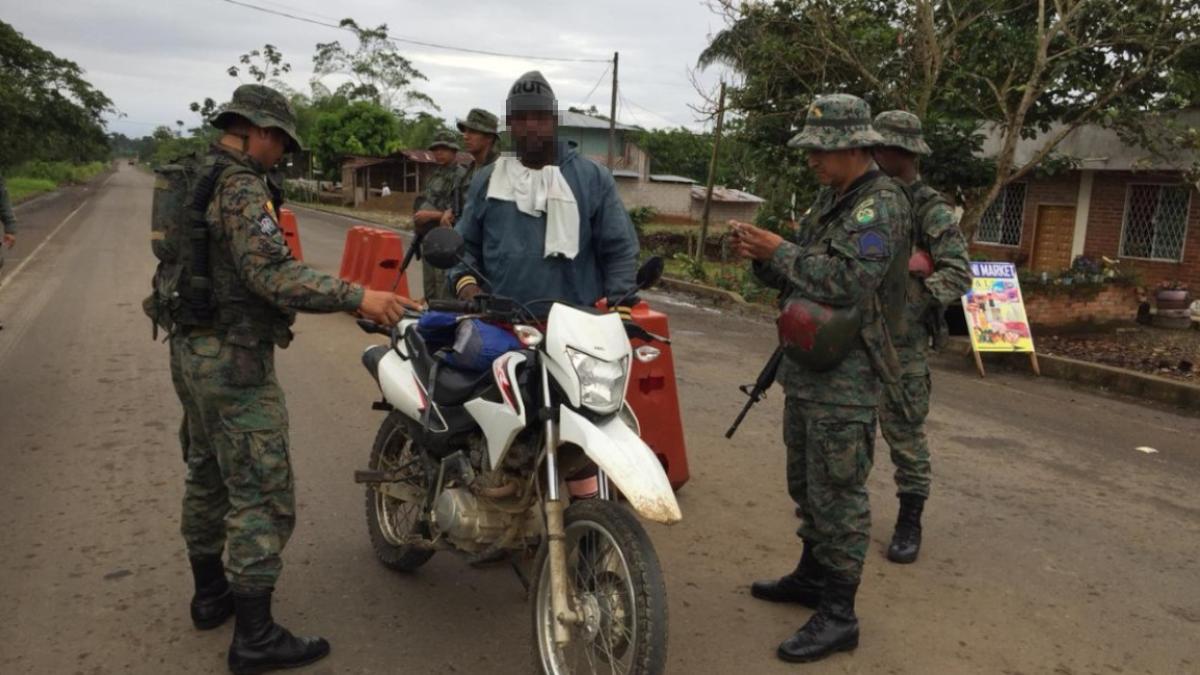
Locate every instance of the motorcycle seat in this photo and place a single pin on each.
(455, 387)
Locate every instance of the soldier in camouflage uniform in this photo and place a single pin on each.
(435, 207)
(940, 274)
(481, 135)
(846, 249)
(240, 486)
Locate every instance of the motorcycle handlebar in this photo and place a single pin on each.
(454, 306)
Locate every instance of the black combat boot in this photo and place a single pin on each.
(834, 628)
(212, 603)
(260, 644)
(906, 541)
(802, 586)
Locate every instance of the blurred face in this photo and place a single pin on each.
(444, 156)
(892, 161)
(267, 146)
(837, 168)
(476, 141)
(533, 132)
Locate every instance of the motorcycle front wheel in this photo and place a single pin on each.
(396, 528)
(616, 586)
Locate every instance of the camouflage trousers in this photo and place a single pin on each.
(906, 439)
(435, 283)
(239, 487)
(830, 449)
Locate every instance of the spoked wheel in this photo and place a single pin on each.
(394, 525)
(615, 586)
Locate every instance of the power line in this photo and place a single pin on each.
(597, 85)
(404, 40)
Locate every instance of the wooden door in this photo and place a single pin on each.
(1053, 236)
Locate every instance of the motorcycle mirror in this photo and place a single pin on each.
(442, 247)
(650, 273)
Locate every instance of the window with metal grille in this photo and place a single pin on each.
(1155, 221)
(1002, 221)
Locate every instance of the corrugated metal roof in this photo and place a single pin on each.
(724, 194)
(1095, 147)
(669, 178)
(625, 173)
(575, 120)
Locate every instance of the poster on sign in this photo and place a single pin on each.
(994, 310)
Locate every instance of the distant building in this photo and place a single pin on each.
(406, 172)
(1122, 202)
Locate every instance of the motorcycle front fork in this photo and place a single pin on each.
(560, 599)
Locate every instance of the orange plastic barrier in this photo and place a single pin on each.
(291, 232)
(350, 252)
(372, 258)
(654, 398)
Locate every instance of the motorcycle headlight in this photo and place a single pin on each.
(601, 383)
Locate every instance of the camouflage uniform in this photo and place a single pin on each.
(843, 251)
(8, 220)
(484, 122)
(441, 194)
(936, 232)
(239, 486)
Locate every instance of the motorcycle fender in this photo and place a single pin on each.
(400, 387)
(627, 461)
(501, 422)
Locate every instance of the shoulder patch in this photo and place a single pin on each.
(865, 213)
(872, 245)
(267, 226)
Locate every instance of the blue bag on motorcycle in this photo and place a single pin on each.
(473, 344)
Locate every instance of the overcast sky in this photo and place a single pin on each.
(153, 57)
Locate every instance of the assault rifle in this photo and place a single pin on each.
(757, 391)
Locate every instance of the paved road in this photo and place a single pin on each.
(1052, 544)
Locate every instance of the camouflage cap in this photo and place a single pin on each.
(902, 130)
(263, 107)
(837, 122)
(444, 139)
(482, 121)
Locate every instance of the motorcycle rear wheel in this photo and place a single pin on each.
(395, 526)
(615, 581)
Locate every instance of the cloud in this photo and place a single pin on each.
(154, 58)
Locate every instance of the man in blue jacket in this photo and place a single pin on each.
(547, 223)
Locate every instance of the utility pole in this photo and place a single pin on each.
(712, 176)
(612, 116)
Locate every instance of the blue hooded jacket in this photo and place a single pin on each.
(507, 246)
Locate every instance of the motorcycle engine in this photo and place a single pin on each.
(458, 515)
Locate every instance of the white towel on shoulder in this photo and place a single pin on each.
(539, 192)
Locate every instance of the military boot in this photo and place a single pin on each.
(212, 602)
(803, 586)
(906, 541)
(834, 628)
(260, 644)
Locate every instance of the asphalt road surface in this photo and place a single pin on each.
(1052, 544)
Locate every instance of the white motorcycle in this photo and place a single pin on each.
(479, 463)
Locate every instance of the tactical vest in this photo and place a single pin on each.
(196, 284)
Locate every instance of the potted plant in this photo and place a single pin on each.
(1172, 300)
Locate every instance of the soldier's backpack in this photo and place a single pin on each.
(179, 238)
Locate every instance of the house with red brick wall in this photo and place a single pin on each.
(1120, 201)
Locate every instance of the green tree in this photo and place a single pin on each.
(376, 70)
(361, 128)
(48, 111)
(1015, 67)
(263, 65)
